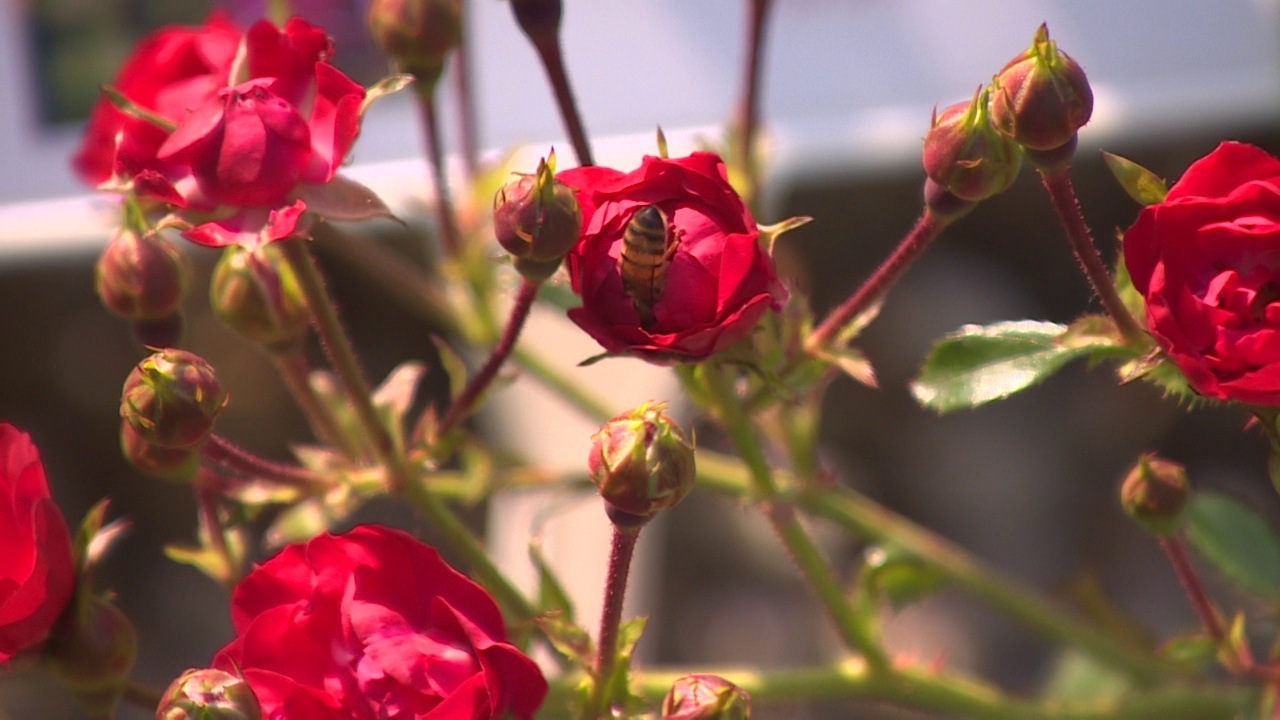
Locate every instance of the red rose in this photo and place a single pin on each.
(37, 569)
(718, 281)
(373, 625)
(171, 72)
(1207, 260)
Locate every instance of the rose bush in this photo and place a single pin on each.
(373, 625)
(719, 282)
(37, 568)
(1207, 261)
(247, 132)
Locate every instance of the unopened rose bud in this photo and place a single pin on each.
(966, 155)
(177, 464)
(642, 464)
(536, 218)
(706, 697)
(417, 34)
(93, 652)
(141, 277)
(539, 19)
(1042, 97)
(1155, 493)
(172, 399)
(256, 293)
(208, 694)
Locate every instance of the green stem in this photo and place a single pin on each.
(876, 523)
(1063, 196)
(295, 370)
(620, 554)
(855, 628)
(337, 346)
(572, 392)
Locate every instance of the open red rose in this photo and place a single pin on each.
(37, 568)
(1207, 260)
(374, 625)
(718, 283)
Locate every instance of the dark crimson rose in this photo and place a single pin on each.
(718, 282)
(171, 72)
(373, 625)
(37, 568)
(1207, 260)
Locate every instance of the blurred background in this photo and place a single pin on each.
(1028, 484)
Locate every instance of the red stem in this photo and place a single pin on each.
(219, 450)
(749, 110)
(623, 549)
(553, 61)
(908, 251)
(1063, 196)
(450, 238)
(464, 404)
(1176, 551)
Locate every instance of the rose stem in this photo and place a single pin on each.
(337, 346)
(875, 523)
(540, 22)
(1176, 550)
(207, 501)
(926, 229)
(1063, 196)
(295, 369)
(142, 695)
(748, 111)
(449, 236)
(465, 403)
(620, 554)
(219, 450)
(466, 100)
(781, 515)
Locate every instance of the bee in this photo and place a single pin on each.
(648, 244)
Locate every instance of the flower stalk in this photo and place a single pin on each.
(748, 114)
(621, 552)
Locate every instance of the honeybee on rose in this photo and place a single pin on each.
(648, 244)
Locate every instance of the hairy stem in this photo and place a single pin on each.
(620, 555)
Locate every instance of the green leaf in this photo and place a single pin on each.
(976, 364)
(900, 575)
(1142, 185)
(619, 690)
(1078, 677)
(568, 639)
(1194, 652)
(552, 597)
(1237, 541)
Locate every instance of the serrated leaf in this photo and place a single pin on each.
(568, 639)
(1237, 541)
(977, 365)
(1141, 184)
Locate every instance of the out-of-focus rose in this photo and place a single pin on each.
(37, 568)
(171, 72)
(718, 282)
(1207, 261)
(372, 625)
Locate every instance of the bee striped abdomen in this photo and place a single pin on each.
(646, 253)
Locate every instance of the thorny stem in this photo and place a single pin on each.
(219, 450)
(465, 403)
(876, 523)
(553, 61)
(450, 238)
(1063, 196)
(337, 346)
(295, 370)
(926, 229)
(749, 110)
(855, 629)
(620, 554)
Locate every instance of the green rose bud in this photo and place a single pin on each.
(208, 694)
(706, 697)
(642, 464)
(1155, 493)
(256, 293)
(536, 218)
(172, 399)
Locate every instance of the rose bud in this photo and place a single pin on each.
(1155, 494)
(172, 399)
(93, 652)
(417, 34)
(966, 155)
(1042, 97)
(208, 694)
(537, 219)
(177, 464)
(141, 277)
(642, 463)
(37, 568)
(706, 697)
(256, 293)
(539, 19)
